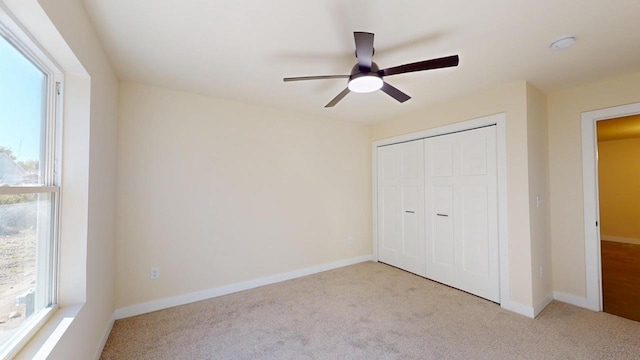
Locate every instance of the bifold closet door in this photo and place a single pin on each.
(401, 206)
(461, 211)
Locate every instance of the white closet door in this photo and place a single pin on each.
(462, 212)
(401, 206)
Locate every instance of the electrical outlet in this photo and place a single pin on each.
(538, 200)
(541, 271)
(350, 240)
(155, 273)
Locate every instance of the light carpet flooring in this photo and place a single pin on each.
(368, 311)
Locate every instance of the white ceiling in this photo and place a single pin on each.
(241, 49)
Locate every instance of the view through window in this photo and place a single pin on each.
(28, 193)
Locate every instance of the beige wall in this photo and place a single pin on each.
(215, 192)
(539, 186)
(565, 171)
(512, 100)
(619, 187)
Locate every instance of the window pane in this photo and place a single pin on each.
(25, 259)
(21, 117)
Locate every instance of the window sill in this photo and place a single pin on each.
(43, 339)
(30, 328)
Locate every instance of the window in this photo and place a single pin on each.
(29, 193)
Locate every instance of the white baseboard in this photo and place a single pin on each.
(571, 299)
(517, 308)
(165, 303)
(543, 304)
(105, 337)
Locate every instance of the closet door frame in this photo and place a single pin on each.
(500, 121)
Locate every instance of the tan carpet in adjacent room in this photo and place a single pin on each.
(368, 311)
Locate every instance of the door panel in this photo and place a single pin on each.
(442, 251)
(390, 204)
(474, 155)
(475, 239)
(391, 167)
(411, 235)
(412, 155)
(441, 161)
(401, 205)
(461, 223)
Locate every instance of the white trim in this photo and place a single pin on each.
(374, 197)
(45, 340)
(105, 337)
(165, 303)
(503, 221)
(590, 192)
(442, 130)
(19, 37)
(543, 304)
(26, 332)
(591, 216)
(518, 308)
(501, 137)
(571, 299)
(620, 239)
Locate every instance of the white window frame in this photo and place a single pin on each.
(51, 177)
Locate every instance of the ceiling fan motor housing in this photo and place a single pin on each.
(356, 71)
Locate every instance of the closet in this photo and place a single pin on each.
(437, 209)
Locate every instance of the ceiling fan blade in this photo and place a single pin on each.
(364, 49)
(421, 65)
(336, 99)
(394, 93)
(322, 77)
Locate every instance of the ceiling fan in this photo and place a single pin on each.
(367, 77)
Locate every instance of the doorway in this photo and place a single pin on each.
(593, 249)
(618, 144)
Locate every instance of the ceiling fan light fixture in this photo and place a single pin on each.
(365, 83)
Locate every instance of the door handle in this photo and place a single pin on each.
(410, 211)
(442, 215)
